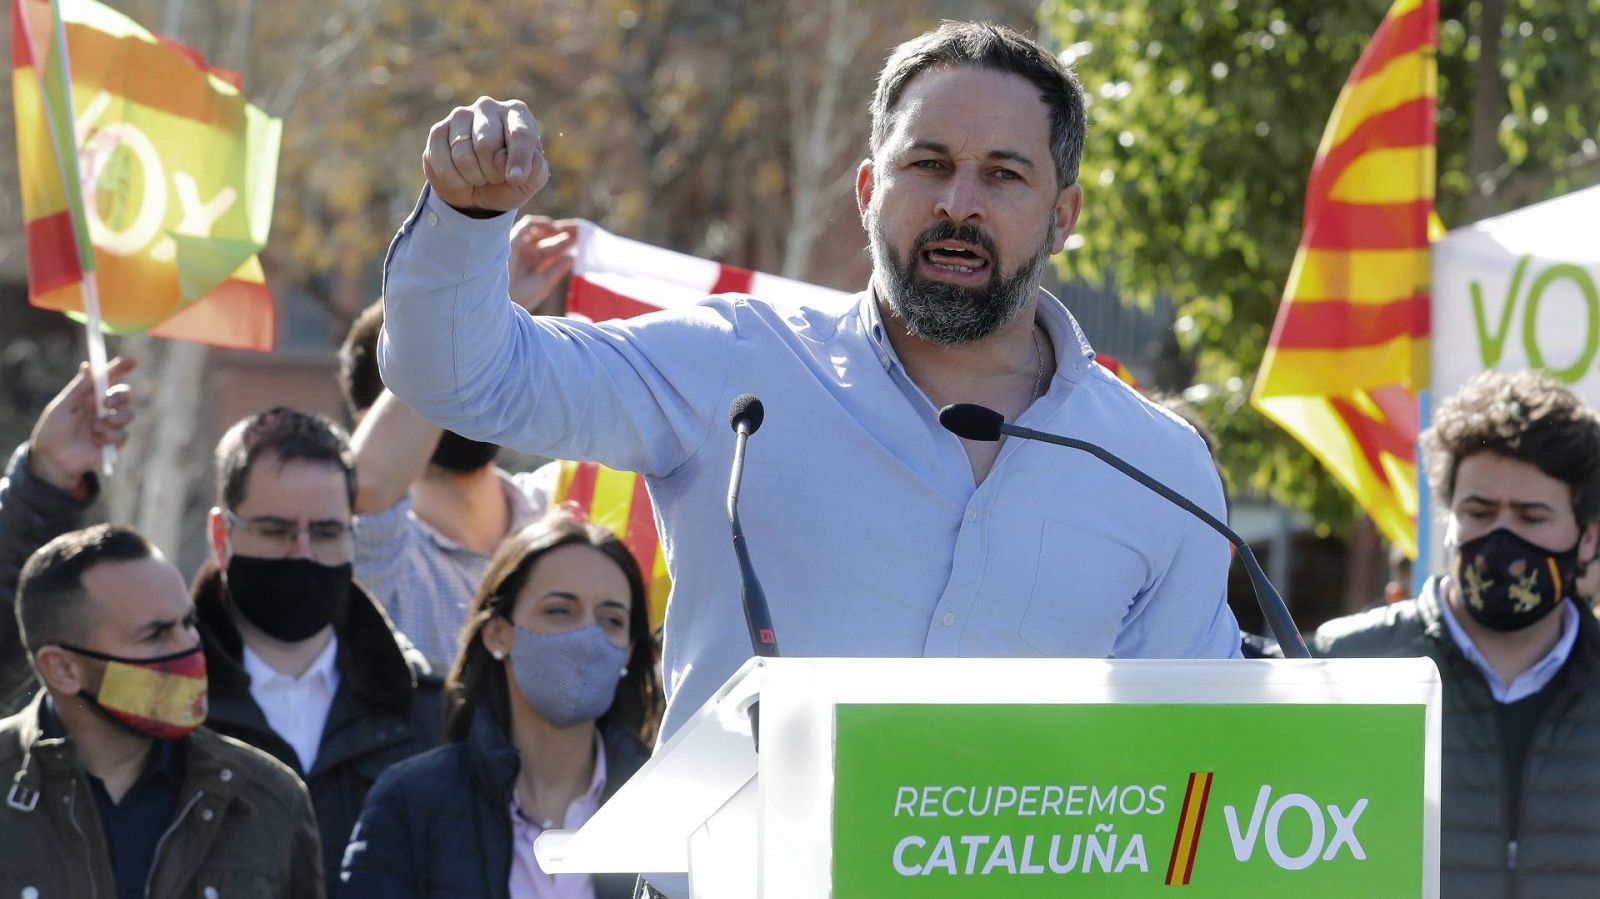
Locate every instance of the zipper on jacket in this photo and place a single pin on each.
(72, 815)
(155, 857)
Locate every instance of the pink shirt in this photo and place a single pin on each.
(527, 880)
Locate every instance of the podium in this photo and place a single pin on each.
(1037, 777)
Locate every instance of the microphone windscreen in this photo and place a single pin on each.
(972, 421)
(746, 408)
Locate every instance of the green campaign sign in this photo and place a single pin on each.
(1207, 800)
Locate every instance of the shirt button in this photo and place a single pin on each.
(226, 774)
(210, 892)
(949, 618)
(30, 893)
(433, 218)
(206, 814)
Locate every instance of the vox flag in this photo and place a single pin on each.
(1349, 350)
(144, 169)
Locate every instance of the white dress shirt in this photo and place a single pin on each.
(296, 708)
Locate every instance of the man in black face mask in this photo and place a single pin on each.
(303, 663)
(1515, 460)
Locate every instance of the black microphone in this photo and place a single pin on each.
(976, 422)
(745, 417)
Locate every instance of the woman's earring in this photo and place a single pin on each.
(499, 655)
(624, 671)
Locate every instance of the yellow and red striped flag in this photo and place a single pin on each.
(1349, 350)
(144, 171)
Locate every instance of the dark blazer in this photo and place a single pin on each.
(439, 825)
(387, 707)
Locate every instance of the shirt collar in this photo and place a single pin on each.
(322, 672)
(1528, 682)
(1072, 349)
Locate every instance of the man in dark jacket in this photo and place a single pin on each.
(45, 491)
(111, 787)
(303, 663)
(1515, 460)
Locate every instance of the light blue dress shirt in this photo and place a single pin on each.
(863, 519)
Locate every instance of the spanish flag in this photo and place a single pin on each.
(619, 502)
(1349, 350)
(143, 170)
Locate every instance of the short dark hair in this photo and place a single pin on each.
(359, 380)
(1525, 416)
(994, 47)
(50, 590)
(286, 434)
(474, 679)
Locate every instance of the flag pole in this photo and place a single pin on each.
(66, 164)
(98, 364)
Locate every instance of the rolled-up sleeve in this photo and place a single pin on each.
(639, 394)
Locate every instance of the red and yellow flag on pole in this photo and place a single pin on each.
(144, 172)
(1349, 351)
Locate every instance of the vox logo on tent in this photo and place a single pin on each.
(1280, 824)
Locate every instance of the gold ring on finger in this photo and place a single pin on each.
(458, 139)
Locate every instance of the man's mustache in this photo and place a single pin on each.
(945, 231)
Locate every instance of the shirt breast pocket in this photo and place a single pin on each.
(1082, 589)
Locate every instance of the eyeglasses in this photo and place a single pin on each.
(329, 538)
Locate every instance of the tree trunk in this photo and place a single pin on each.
(1366, 570)
(1488, 105)
(161, 472)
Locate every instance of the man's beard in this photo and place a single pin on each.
(948, 314)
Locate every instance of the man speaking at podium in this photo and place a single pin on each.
(876, 531)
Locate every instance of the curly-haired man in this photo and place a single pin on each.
(1515, 461)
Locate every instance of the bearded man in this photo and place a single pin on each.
(877, 532)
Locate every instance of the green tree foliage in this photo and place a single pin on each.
(1204, 121)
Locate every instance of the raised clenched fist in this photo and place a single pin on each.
(486, 157)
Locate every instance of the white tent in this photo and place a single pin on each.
(1514, 292)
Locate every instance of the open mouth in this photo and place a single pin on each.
(956, 258)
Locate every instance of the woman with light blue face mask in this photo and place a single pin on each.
(548, 711)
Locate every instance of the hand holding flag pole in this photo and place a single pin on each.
(99, 367)
(51, 65)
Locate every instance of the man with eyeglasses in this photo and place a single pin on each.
(303, 663)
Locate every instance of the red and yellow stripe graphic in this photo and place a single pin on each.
(1186, 842)
(619, 502)
(1349, 350)
(175, 169)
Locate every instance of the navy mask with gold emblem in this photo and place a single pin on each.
(1507, 583)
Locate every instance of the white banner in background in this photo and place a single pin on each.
(1521, 291)
(1515, 292)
